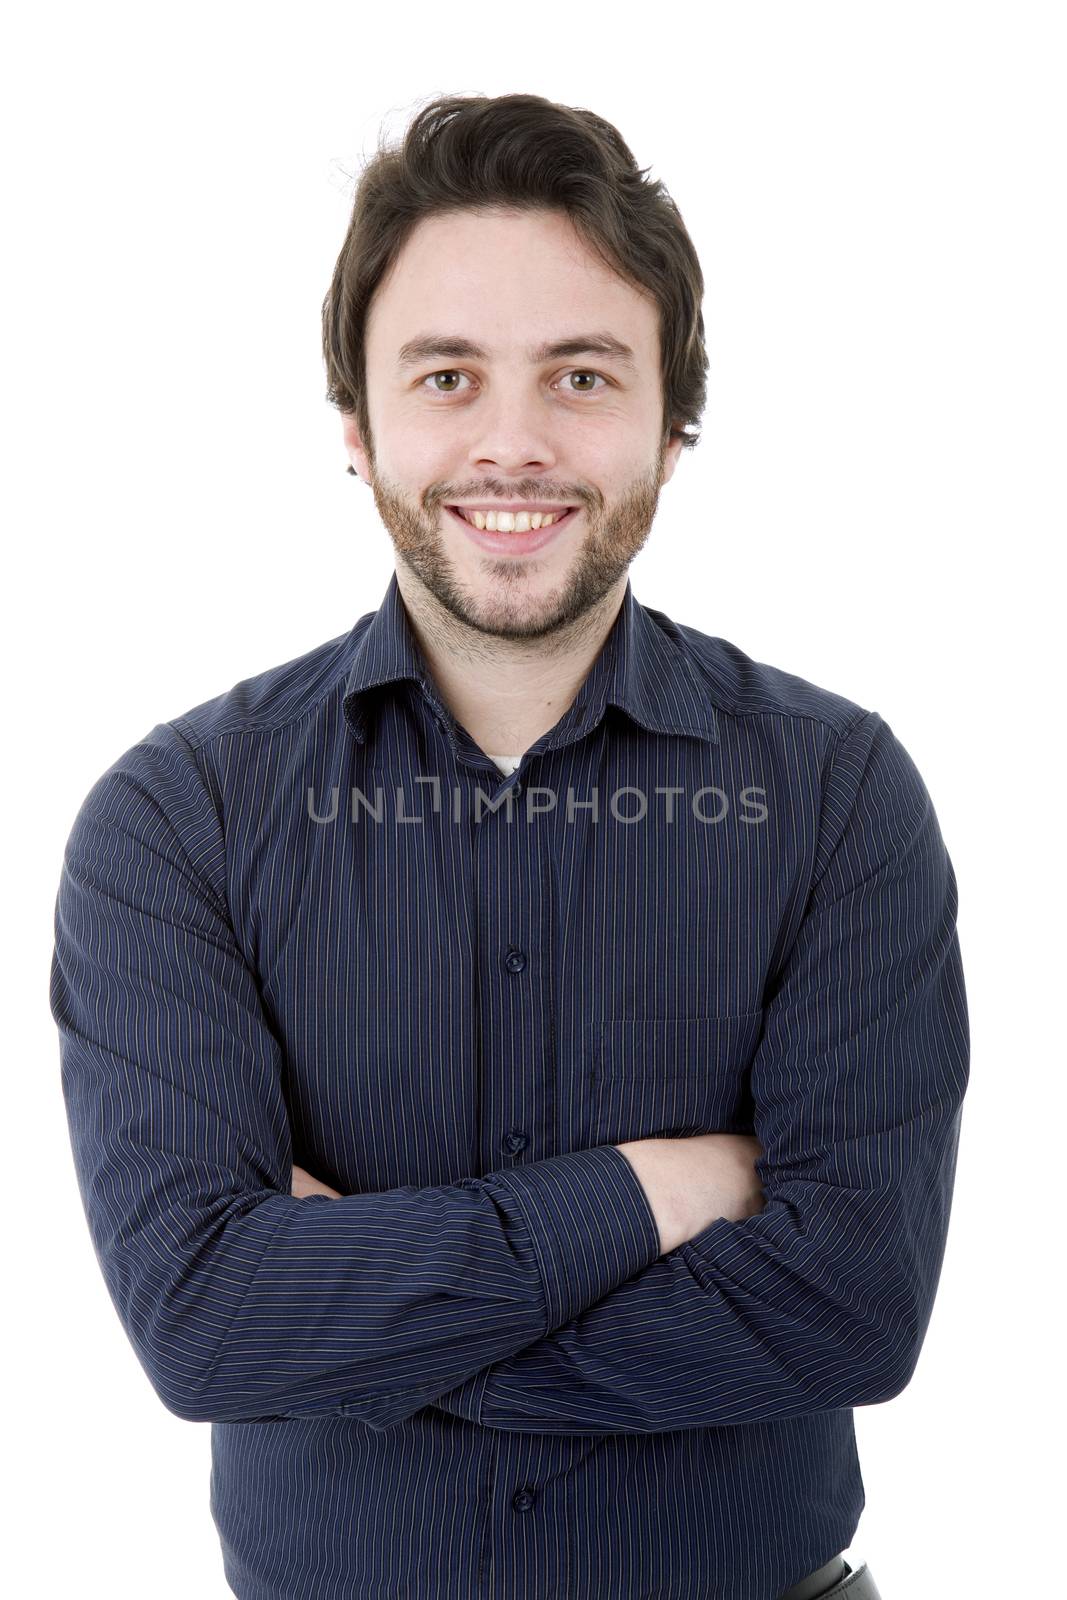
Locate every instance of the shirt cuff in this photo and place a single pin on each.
(591, 1225)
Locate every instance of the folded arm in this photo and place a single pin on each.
(241, 1301)
(823, 1299)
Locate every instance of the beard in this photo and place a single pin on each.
(509, 610)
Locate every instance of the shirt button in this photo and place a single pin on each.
(516, 789)
(523, 1499)
(515, 960)
(516, 1140)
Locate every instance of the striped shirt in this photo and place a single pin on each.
(310, 921)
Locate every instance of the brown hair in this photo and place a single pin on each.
(521, 152)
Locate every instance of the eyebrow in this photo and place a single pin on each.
(429, 347)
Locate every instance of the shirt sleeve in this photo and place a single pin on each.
(242, 1302)
(822, 1300)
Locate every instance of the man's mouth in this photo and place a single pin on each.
(512, 541)
(507, 521)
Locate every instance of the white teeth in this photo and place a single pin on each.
(513, 521)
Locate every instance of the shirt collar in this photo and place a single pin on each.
(642, 667)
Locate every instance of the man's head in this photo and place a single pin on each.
(515, 318)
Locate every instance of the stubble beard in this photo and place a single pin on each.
(607, 549)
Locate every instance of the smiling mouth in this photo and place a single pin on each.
(558, 517)
(516, 544)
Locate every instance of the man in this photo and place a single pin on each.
(514, 1053)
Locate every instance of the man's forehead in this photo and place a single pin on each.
(433, 301)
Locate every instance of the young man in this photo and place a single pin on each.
(514, 1053)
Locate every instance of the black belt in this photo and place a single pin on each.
(821, 1584)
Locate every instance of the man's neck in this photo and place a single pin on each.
(505, 692)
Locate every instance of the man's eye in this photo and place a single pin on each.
(446, 374)
(583, 372)
(576, 372)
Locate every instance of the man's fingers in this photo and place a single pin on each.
(304, 1184)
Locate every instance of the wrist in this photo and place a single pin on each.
(655, 1166)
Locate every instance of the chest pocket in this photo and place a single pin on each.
(671, 1078)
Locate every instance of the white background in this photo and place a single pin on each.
(876, 195)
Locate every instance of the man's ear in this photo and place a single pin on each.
(359, 461)
(671, 454)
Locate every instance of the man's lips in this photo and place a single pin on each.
(513, 544)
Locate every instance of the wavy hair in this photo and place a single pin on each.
(520, 152)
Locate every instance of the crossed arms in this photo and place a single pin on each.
(534, 1299)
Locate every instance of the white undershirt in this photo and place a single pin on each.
(507, 764)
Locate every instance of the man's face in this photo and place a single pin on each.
(514, 424)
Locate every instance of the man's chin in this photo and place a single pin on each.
(527, 599)
(513, 611)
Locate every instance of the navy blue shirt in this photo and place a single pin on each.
(310, 921)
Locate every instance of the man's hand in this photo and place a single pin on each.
(304, 1184)
(690, 1183)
